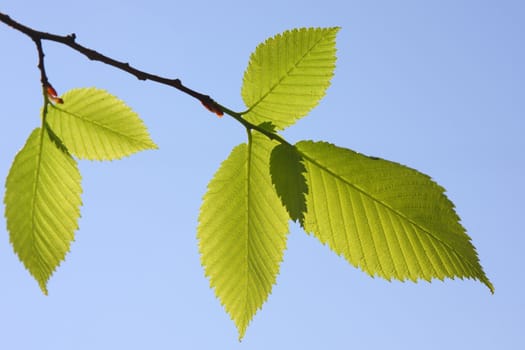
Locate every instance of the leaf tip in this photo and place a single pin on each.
(43, 287)
(489, 285)
(241, 332)
(153, 146)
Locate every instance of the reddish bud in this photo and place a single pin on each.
(52, 95)
(213, 107)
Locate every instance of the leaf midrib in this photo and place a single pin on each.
(34, 251)
(247, 229)
(102, 126)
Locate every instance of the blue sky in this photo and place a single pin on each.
(435, 85)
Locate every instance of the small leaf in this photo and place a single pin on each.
(287, 170)
(268, 126)
(96, 125)
(42, 205)
(385, 218)
(288, 75)
(242, 231)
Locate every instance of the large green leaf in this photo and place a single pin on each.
(288, 75)
(385, 218)
(242, 231)
(96, 125)
(42, 204)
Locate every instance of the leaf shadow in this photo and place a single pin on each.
(56, 140)
(287, 171)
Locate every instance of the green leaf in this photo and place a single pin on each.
(242, 231)
(42, 205)
(288, 75)
(96, 125)
(268, 126)
(385, 218)
(287, 170)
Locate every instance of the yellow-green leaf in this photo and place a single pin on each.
(96, 125)
(387, 219)
(288, 75)
(242, 231)
(42, 204)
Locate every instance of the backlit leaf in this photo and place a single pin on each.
(387, 219)
(242, 231)
(42, 204)
(96, 125)
(288, 75)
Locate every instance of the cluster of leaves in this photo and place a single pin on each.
(42, 197)
(385, 218)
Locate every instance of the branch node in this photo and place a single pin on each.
(212, 106)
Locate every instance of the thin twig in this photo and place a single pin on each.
(70, 41)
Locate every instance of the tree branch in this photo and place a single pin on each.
(70, 41)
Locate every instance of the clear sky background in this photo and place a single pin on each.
(435, 85)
